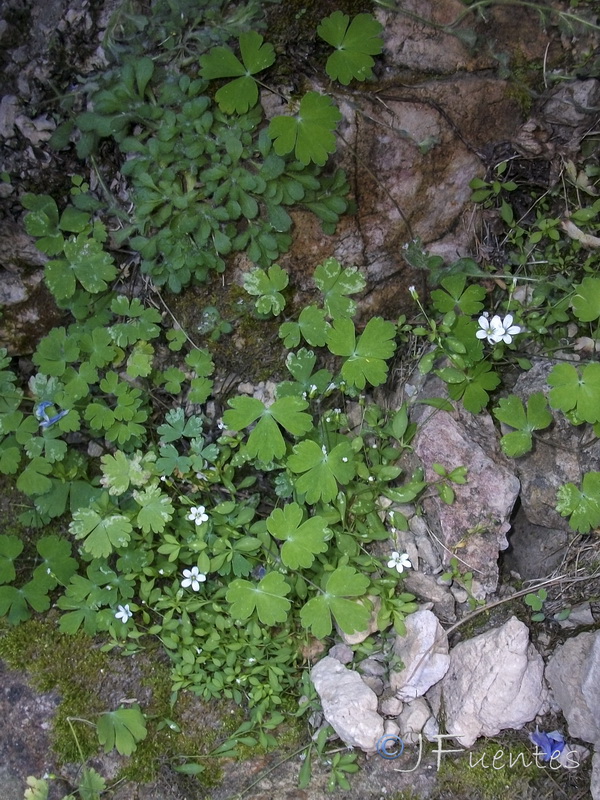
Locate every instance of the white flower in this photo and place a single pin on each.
(413, 292)
(198, 515)
(399, 562)
(497, 330)
(193, 577)
(123, 613)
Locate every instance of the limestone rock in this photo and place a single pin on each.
(573, 673)
(495, 681)
(428, 588)
(349, 706)
(595, 782)
(413, 719)
(478, 520)
(424, 654)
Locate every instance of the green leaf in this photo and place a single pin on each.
(37, 789)
(268, 598)
(343, 583)
(91, 784)
(267, 286)
(322, 470)
(139, 362)
(311, 325)
(55, 351)
(355, 43)
(57, 562)
(310, 132)
(336, 283)
(102, 534)
(119, 471)
(586, 300)
(581, 505)
(10, 547)
(455, 295)
(366, 358)
(266, 441)
(303, 540)
(200, 361)
(474, 389)
(156, 509)
(85, 260)
(576, 392)
(33, 479)
(239, 95)
(511, 411)
(122, 729)
(176, 427)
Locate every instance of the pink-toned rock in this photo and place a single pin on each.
(474, 527)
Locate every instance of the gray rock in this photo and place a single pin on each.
(478, 520)
(349, 706)
(495, 681)
(595, 781)
(372, 666)
(573, 673)
(580, 615)
(413, 719)
(390, 706)
(424, 654)
(428, 588)
(342, 653)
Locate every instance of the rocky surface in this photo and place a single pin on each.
(494, 682)
(424, 656)
(349, 705)
(438, 115)
(475, 526)
(573, 673)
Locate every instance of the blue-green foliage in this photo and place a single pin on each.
(206, 180)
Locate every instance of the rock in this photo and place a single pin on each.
(580, 615)
(349, 706)
(428, 588)
(460, 595)
(534, 550)
(342, 653)
(413, 718)
(495, 681)
(8, 114)
(541, 473)
(390, 706)
(595, 781)
(390, 727)
(424, 654)
(372, 666)
(478, 521)
(374, 683)
(573, 673)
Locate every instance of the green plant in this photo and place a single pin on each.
(536, 603)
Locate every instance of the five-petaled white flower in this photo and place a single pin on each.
(198, 515)
(123, 613)
(497, 330)
(193, 577)
(399, 562)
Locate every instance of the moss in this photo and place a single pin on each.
(253, 350)
(66, 664)
(492, 770)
